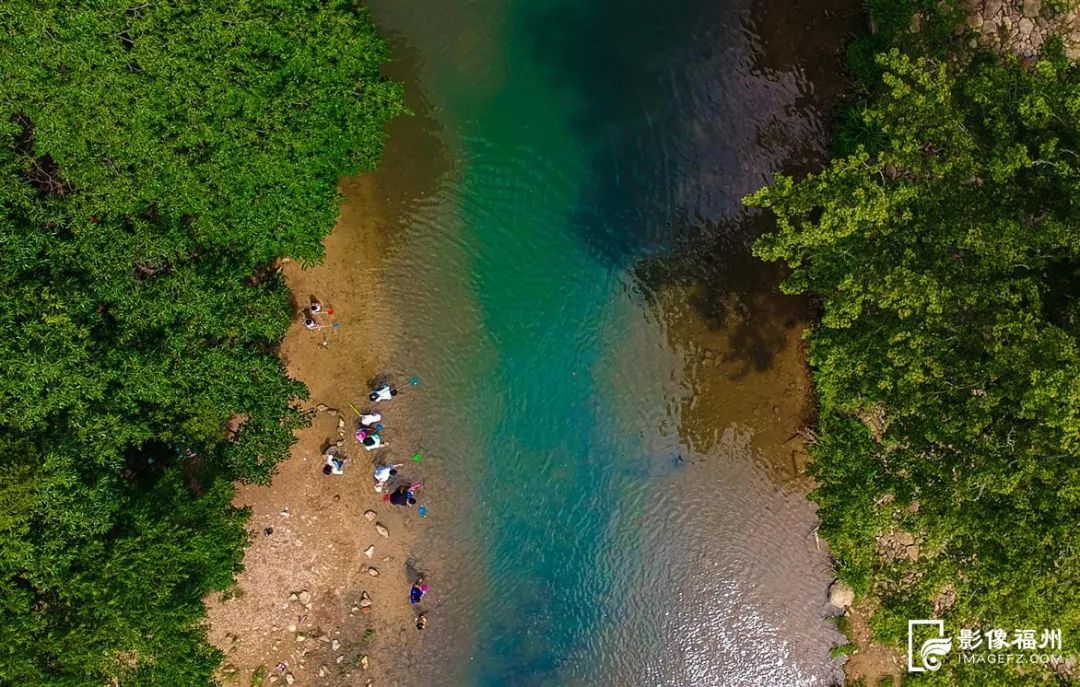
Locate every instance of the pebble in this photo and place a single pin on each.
(322, 671)
(335, 644)
(339, 659)
(364, 662)
(289, 678)
(305, 597)
(292, 628)
(381, 529)
(301, 637)
(370, 551)
(374, 572)
(369, 514)
(298, 543)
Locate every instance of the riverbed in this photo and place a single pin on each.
(607, 390)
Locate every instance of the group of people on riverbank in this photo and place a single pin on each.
(368, 433)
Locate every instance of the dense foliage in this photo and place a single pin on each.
(944, 246)
(156, 158)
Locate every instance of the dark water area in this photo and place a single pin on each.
(568, 240)
(669, 148)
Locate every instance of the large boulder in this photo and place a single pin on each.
(841, 595)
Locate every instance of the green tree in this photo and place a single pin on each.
(947, 261)
(156, 159)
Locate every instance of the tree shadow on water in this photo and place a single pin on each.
(652, 84)
(730, 289)
(678, 106)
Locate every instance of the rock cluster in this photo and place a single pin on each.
(897, 546)
(1022, 26)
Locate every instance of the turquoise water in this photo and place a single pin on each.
(577, 535)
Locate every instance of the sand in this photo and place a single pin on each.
(298, 600)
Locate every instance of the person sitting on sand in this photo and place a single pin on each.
(383, 473)
(372, 441)
(309, 321)
(419, 588)
(335, 464)
(371, 419)
(383, 392)
(403, 496)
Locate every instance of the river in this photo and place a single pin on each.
(607, 383)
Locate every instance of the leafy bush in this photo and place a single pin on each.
(155, 160)
(948, 265)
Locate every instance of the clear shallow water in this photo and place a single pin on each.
(577, 536)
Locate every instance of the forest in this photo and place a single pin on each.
(942, 245)
(157, 161)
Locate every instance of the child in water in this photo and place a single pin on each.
(371, 441)
(416, 594)
(403, 496)
(382, 393)
(383, 473)
(370, 419)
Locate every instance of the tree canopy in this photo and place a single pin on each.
(156, 159)
(943, 242)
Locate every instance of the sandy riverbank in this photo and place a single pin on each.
(320, 532)
(298, 600)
